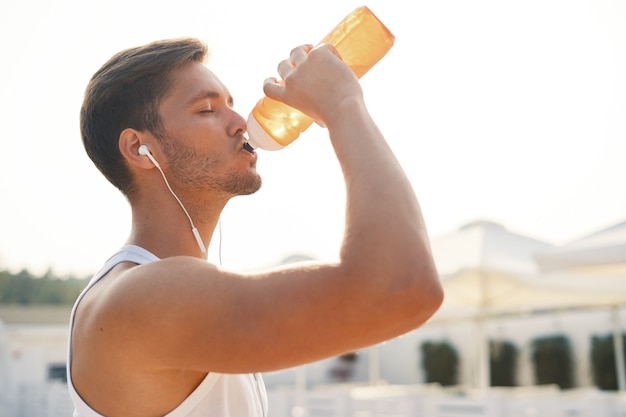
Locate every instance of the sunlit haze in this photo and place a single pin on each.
(513, 112)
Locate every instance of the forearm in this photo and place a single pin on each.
(385, 252)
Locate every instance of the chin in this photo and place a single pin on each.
(250, 185)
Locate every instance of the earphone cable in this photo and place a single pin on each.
(193, 227)
(219, 253)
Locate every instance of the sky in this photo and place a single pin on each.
(507, 111)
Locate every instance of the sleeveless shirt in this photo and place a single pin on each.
(218, 395)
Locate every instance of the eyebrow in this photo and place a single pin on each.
(204, 94)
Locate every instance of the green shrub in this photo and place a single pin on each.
(552, 361)
(603, 361)
(440, 362)
(503, 359)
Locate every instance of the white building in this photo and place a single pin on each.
(33, 344)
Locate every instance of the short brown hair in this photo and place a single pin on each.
(125, 93)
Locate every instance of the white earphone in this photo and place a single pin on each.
(143, 150)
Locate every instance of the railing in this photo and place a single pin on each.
(52, 400)
(432, 401)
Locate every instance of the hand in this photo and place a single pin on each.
(314, 81)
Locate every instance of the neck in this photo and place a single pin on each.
(161, 226)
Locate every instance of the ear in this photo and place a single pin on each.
(129, 143)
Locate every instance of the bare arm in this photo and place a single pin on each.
(385, 243)
(184, 313)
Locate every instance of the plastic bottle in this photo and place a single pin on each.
(361, 40)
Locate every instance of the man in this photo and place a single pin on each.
(160, 331)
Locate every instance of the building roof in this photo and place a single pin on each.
(486, 269)
(35, 314)
(486, 245)
(602, 251)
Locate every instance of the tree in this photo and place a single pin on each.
(25, 289)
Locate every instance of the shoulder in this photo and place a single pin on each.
(132, 286)
(130, 292)
(132, 303)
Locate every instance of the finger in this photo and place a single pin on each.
(285, 68)
(272, 87)
(330, 48)
(298, 54)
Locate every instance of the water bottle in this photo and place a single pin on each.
(361, 39)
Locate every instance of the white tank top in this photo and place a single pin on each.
(218, 395)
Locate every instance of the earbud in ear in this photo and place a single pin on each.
(143, 150)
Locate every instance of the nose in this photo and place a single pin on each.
(238, 124)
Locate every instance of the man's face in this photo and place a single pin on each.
(204, 136)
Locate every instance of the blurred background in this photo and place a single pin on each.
(509, 120)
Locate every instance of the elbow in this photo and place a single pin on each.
(423, 295)
(433, 297)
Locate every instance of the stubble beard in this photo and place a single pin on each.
(196, 172)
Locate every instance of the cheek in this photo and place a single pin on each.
(204, 165)
(186, 127)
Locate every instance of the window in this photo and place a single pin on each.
(57, 372)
